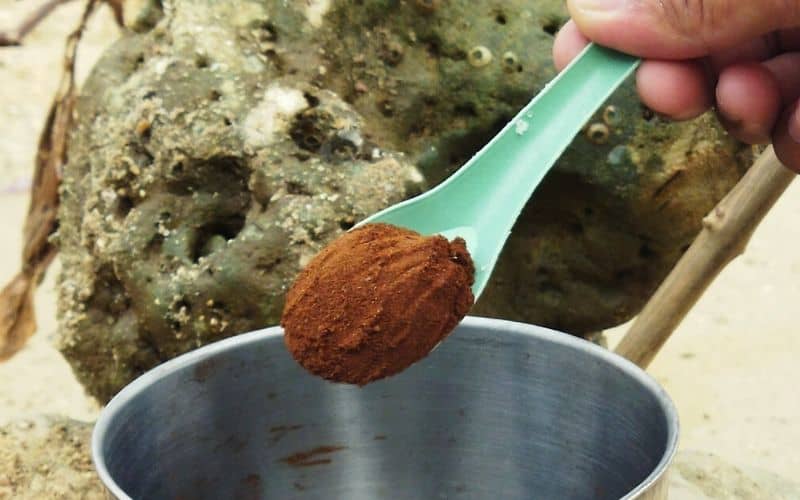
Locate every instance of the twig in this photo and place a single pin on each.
(726, 231)
(17, 318)
(33, 20)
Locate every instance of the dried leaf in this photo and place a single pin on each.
(17, 315)
(117, 7)
(29, 23)
(17, 318)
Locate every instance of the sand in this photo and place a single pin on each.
(730, 367)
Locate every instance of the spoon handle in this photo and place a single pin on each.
(482, 200)
(505, 173)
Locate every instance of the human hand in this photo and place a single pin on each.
(740, 56)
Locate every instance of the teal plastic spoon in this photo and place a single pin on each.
(481, 201)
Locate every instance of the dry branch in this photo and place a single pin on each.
(30, 22)
(12, 38)
(726, 231)
(17, 316)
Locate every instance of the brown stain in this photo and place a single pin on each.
(204, 370)
(278, 432)
(284, 428)
(250, 487)
(232, 443)
(311, 457)
(380, 437)
(252, 480)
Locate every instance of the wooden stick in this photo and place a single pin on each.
(17, 316)
(726, 231)
(15, 38)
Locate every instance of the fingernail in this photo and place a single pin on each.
(598, 6)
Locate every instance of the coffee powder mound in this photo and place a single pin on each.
(376, 300)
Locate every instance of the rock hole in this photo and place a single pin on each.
(386, 108)
(391, 54)
(225, 176)
(202, 61)
(311, 129)
(146, 133)
(459, 55)
(547, 286)
(500, 18)
(219, 306)
(646, 252)
(214, 95)
(275, 59)
(311, 99)
(109, 293)
(124, 206)
(346, 225)
(182, 304)
(210, 237)
(552, 24)
(295, 188)
(141, 155)
(155, 244)
(267, 32)
(302, 156)
(465, 109)
(623, 275)
(434, 49)
(427, 6)
(551, 27)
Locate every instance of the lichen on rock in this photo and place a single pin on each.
(220, 145)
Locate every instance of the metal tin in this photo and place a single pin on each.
(500, 410)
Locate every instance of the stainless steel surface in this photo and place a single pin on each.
(499, 411)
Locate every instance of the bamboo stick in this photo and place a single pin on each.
(725, 234)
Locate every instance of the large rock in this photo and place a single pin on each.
(222, 144)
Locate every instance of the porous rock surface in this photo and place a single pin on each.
(220, 145)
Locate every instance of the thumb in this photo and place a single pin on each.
(680, 29)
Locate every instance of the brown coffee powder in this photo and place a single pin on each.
(376, 300)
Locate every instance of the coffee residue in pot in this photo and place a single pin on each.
(376, 300)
